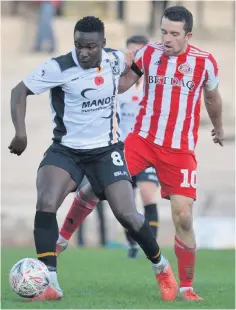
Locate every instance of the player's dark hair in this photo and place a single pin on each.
(89, 24)
(137, 39)
(180, 14)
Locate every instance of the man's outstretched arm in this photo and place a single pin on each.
(42, 79)
(18, 110)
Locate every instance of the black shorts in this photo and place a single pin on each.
(148, 175)
(102, 166)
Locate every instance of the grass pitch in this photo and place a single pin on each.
(107, 279)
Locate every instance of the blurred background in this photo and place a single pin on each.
(33, 31)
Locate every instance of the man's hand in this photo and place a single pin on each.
(18, 145)
(218, 136)
(129, 58)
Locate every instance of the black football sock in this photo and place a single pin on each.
(144, 237)
(45, 238)
(151, 215)
(130, 240)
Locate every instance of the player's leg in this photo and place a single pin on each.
(80, 232)
(177, 174)
(110, 180)
(147, 183)
(148, 192)
(54, 183)
(102, 228)
(185, 244)
(133, 247)
(120, 198)
(80, 236)
(84, 203)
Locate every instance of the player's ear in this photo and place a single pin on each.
(104, 43)
(189, 36)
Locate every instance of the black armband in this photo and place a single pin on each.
(136, 69)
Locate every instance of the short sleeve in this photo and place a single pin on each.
(47, 76)
(212, 74)
(139, 58)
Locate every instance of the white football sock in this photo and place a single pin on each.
(53, 277)
(53, 280)
(183, 289)
(162, 265)
(61, 239)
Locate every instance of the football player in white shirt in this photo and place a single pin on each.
(147, 180)
(86, 141)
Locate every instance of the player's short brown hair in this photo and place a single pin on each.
(179, 13)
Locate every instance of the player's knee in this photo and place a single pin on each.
(46, 203)
(131, 221)
(148, 200)
(185, 220)
(182, 213)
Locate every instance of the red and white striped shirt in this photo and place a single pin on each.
(170, 109)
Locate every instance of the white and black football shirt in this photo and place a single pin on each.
(83, 102)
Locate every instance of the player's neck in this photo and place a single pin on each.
(98, 64)
(184, 50)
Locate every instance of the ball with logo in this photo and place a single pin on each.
(29, 277)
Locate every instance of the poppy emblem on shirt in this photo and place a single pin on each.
(99, 80)
(134, 98)
(185, 68)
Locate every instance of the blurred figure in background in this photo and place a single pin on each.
(45, 33)
(14, 7)
(157, 9)
(120, 10)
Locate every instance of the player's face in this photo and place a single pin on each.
(173, 37)
(89, 47)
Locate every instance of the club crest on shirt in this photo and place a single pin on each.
(185, 68)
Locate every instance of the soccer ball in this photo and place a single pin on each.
(29, 277)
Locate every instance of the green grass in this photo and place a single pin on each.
(105, 278)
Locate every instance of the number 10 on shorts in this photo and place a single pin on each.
(189, 178)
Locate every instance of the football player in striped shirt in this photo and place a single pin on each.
(166, 129)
